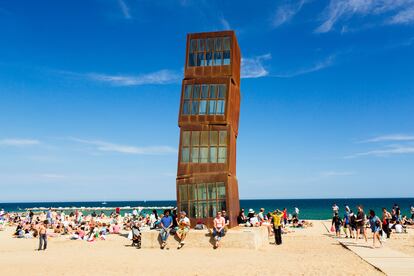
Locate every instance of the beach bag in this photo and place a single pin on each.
(332, 228)
(130, 235)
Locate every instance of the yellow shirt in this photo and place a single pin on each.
(277, 219)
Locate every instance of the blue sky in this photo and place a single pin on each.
(89, 97)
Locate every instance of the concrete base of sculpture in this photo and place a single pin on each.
(238, 237)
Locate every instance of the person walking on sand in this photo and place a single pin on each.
(183, 228)
(43, 236)
(360, 224)
(375, 225)
(277, 224)
(386, 217)
(218, 230)
(335, 209)
(166, 224)
(336, 222)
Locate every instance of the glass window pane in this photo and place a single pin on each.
(195, 139)
(202, 191)
(192, 192)
(222, 91)
(186, 107)
(204, 91)
(213, 154)
(212, 191)
(191, 59)
(210, 44)
(217, 58)
(220, 107)
(194, 154)
(196, 91)
(184, 207)
(221, 190)
(204, 155)
(204, 138)
(213, 137)
(193, 45)
(187, 91)
(209, 59)
(226, 57)
(221, 205)
(213, 91)
(194, 107)
(182, 192)
(218, 43)
(203, 107)
(226, 43)
(222, 155)
(202, 209)
(201, 45)
(200, 59)
(186, 138)
(185, 155)
(223, 137)
(193, 209)
(212, 209)
(212, 107)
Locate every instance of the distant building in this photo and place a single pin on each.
(209, 122)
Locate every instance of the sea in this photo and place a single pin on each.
(309, 208)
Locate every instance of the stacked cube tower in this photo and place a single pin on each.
(209, 121)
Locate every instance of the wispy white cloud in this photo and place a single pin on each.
(15, 142)
(254, 67)
(159, 77)
(400, 12)
(125, 149)
(403, 17)
(336, 173)
(125, 9)
(224, 23)
(52, 176)
(286, 12)
(329, 61)
(390, 150)
(390, 138)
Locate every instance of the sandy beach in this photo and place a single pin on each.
(310, 251)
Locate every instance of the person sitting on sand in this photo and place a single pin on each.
(252, 219)
(218, 229)
(183, 228)
(241, 218)
(375, 225)
(166, 224)
(115, 229)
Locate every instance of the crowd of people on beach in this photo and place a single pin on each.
(355, 225)
(94, 226)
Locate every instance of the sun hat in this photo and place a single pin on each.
(251, 211)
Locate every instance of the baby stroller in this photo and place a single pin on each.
(136, 237)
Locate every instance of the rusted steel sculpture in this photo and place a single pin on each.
(209, 121)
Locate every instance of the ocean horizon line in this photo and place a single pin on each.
(169, 200)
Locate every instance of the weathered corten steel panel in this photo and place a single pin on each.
(232, 70)
(197, 174)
